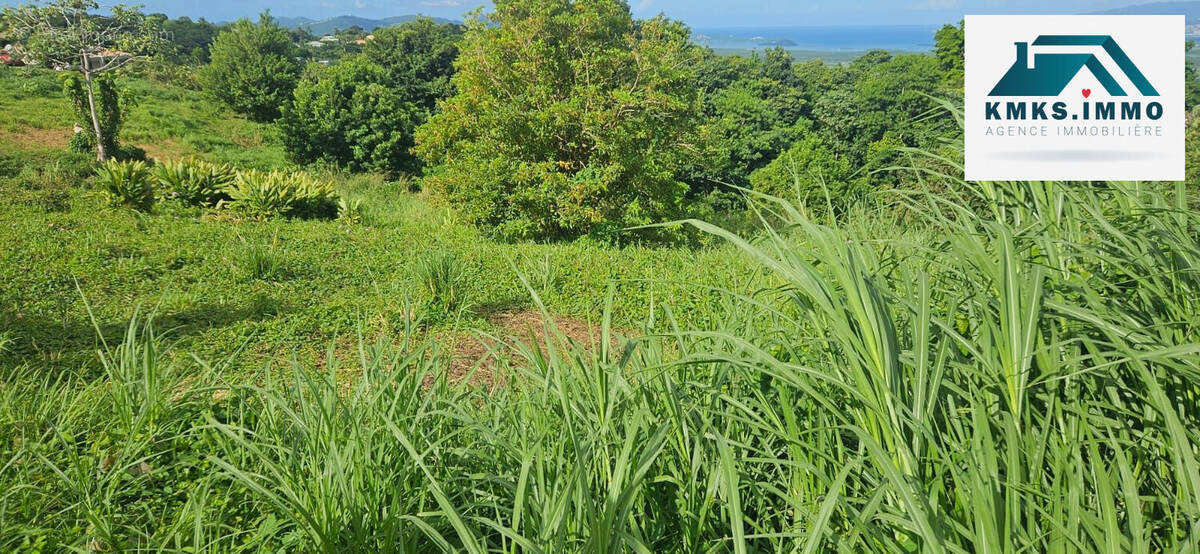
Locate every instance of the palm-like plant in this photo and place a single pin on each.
(126, 183)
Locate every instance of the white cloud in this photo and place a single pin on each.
(441, 3)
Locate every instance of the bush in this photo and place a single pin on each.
(351, 116)
(811, 173)
(583, 130)
(253, 69)
(108, 105)
(126, 183)
(418, 58)
(276, 193)
(195, 182)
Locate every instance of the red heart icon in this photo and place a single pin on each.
(1087, 92)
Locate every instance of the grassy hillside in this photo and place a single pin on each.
(1007, 367)
(167, 121)
(64, 249)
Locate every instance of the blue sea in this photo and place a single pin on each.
(897, 38)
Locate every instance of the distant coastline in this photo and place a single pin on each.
(840, 40)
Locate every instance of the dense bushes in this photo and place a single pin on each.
(126, 184)
(361, 113)
(350, 114)
(569, 118)
(253, 68)
(195, 182)
(257, 194)
(417, 58)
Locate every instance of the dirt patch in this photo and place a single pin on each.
(474, 357)
(32, 138)
(168, 149)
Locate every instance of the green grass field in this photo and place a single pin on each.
(1000, 367)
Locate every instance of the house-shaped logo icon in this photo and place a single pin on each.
(1050, 72)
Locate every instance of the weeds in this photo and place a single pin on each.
(443, 277)
(262, 260)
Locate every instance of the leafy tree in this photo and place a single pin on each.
(189, 41)
(569, 118)
(67, 34)
(949, 48)
(810, 171)
(351, 115)
(418, 57)
(254, 68)
(750, 121)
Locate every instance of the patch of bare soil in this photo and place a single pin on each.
(166, 150)
(32, 138)
(474, 356)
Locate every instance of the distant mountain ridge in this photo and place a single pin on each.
(1190, 10)
(329, 25)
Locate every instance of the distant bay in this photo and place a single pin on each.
(809, 40)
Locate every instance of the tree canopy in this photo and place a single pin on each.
(569, 118)
(254, 68)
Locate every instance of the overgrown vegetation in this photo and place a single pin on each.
(245, 355)
(253, 68)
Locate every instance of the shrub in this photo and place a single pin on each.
(811, 173)
(350, 115)
(581, 130)
(195, 182)
(418, 58)
(442, 276)
(276, 193)
(253, 68)
(108, 105)
(350, 211)
(126, 183)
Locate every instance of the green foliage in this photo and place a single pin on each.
(188, 41)
(418, 59)
(754, 111)
(253, 68)
(949, 48)
(126, 183)
(108, 112)
(569, 118)
(193, 181)
(263, 261)
(443, 277)
(264, 194)
(351, 115)
(811, 172)
(351, 210)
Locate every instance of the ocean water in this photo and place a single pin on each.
(899, 38)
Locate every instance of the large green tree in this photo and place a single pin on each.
(569, 118)
(351, 115)
(254, 68)
(418, 57)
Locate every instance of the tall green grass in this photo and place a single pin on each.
(1024, 378)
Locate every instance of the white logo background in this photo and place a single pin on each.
(1155, 44)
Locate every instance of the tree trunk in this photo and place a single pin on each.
(101, 155)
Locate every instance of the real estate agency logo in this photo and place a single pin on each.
(1073, 105)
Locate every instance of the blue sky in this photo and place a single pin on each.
(697, 13)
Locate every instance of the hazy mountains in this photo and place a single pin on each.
(326, 26)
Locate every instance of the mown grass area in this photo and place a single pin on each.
(1004, 367)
